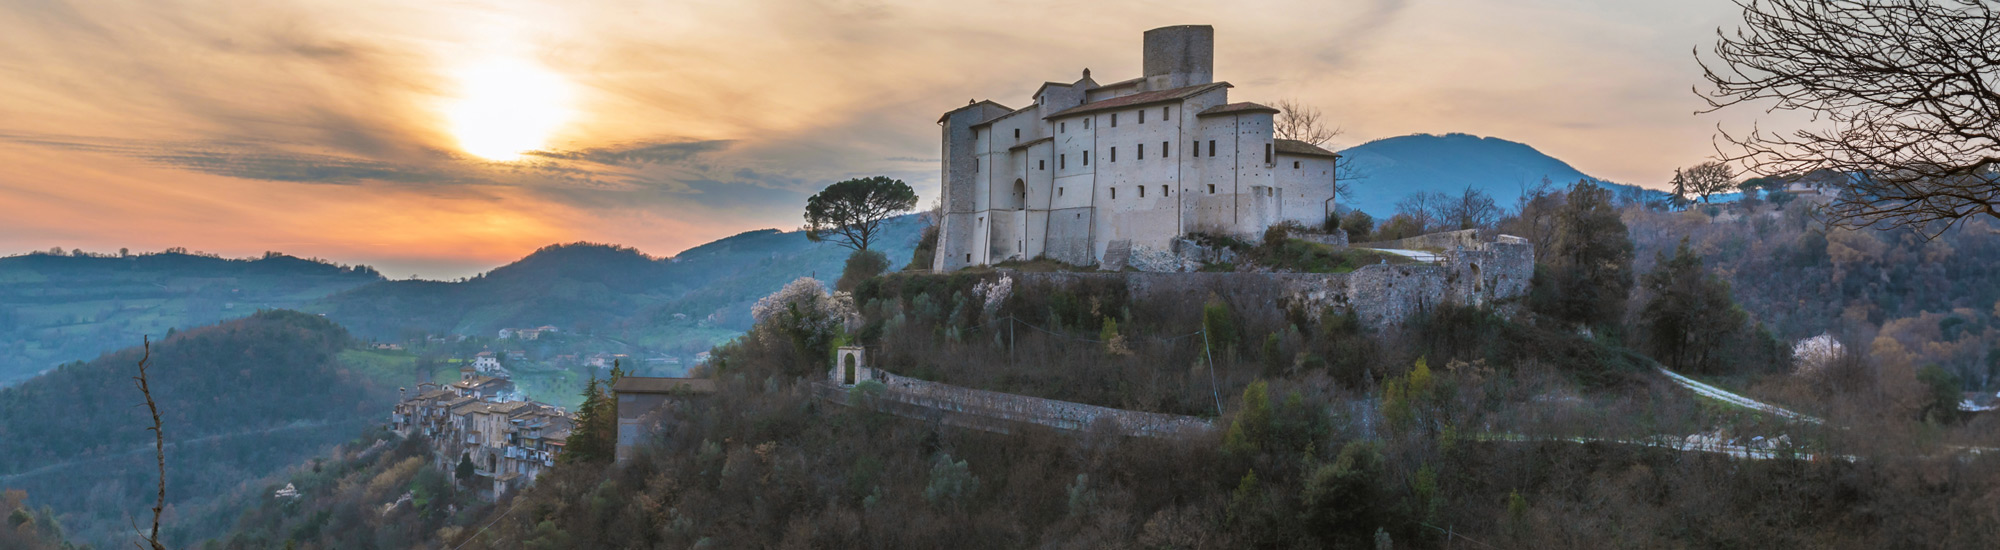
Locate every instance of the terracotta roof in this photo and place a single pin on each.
(1141, 98)
(642, 384)
(1237, 108)
(1296, 147)
(1031, 143)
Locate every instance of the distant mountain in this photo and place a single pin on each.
(607, 289)
(239, 400)
(1393, 168)
(58, 308)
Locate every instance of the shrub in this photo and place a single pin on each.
(861, 266)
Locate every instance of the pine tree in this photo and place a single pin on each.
(594, 438)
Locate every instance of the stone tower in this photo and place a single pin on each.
(1180, 56)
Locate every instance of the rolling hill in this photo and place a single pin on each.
(59, 308)
(705, 291)
(1392, 168)
(239, 400)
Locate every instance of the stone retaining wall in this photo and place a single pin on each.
(965, 406)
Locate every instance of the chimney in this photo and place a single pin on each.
(1180, 56)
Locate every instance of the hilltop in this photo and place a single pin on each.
(1390, 169)
(57, 308)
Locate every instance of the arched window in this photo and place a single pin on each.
(848, 378)
(1020, 195)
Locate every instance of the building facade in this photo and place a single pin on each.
(1091, 173)
(509, 441)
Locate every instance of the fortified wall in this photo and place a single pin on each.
(1472, 269)
(989, 410)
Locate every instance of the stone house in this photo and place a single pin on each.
(1090, 174)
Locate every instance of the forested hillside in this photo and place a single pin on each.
(238, 400)
(1908, 299)
(704, 291)
(74, 306)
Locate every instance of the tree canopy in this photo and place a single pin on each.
(851, 212)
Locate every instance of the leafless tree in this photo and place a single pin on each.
(1905, 91)
(1426, 209)
(1471, 209)
(1298, 121)
(1705, 180)
(152, 539)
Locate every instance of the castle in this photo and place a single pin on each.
(1091, 174)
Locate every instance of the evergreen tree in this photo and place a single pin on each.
(1691, 316)
(595, 437)
(465, 469)
(1588, 272)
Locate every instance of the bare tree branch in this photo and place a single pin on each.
(159, 444)
(1298, 121)
(1904, 92)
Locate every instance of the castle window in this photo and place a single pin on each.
(1114, 154)
(1114, 120)
(1211, 147)
(1044, 165)
(1166, 113)
(1059, 191)
(1142, 116)
(1062, 127)
(1062, 161)
(1267, 153)
(1086, 158)
(1114, 193)
(1164, 192)
(1164, 148)
(1211, 189)
(1017, 133)
(1197, 147)
(1142, 149)
(1086, 123)
(1295, 165)
(1142, 191)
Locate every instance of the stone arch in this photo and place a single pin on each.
(1018, 199)
(850, 366)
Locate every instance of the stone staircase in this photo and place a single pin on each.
(1116, 254)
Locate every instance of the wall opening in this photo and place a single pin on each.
(848, 365)
(1019, 198)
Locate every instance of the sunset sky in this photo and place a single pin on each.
(391, 133)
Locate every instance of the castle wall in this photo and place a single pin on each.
(1306, 182)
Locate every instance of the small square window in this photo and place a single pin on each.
(1211, 189)
(1295, 165)
(1166, 113)
(1197, 148)
(1211, 147)
(1165, 146)
(1062, 127)
(1142, 117)
(1059, 191)
(1044, 165)
(1164, 192)
(1086, 124)
(1017, 133)
(1114, 120)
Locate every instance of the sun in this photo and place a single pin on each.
(507, 107)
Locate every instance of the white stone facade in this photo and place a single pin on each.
(1090, 172)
